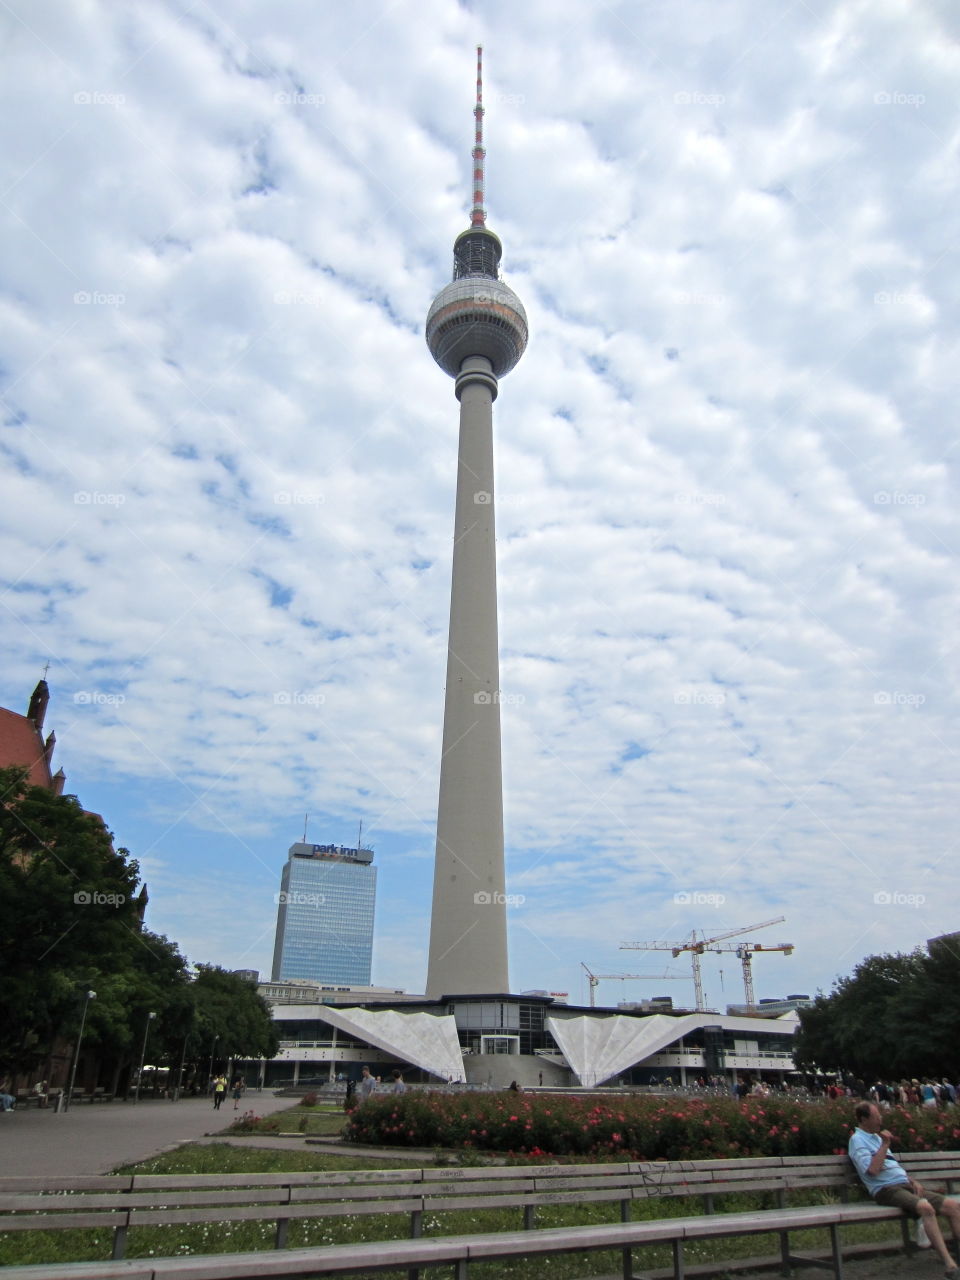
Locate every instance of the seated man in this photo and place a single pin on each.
(887, 1182)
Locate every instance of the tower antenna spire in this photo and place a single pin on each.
(478, 215)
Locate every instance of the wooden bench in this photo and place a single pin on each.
(26, 1100)
(120, 1203)
(458, 1252)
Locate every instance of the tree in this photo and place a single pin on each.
(926, 1015)
(851, 1028)
(230, 1015)
(815, 1046)
(149, 976)
(70, 922)
(67, 914)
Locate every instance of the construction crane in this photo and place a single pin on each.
(595, 979)
(697, 946)
(745, 951)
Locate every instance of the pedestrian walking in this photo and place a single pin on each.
(367, 1084)
(219, 1092)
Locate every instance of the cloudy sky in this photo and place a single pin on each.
(728, 528)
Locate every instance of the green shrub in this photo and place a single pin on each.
(632, 1128)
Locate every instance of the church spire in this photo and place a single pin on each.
(38, 704)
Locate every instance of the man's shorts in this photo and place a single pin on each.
(901, 1197)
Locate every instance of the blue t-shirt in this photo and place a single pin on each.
(861, 1149)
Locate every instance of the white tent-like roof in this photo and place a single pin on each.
(598, 1048)
(423, 1039)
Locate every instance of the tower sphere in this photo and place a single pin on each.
(476, 316)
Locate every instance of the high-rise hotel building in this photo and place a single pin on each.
(325, 915)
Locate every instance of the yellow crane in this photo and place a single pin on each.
(698, 945)
(745, 952)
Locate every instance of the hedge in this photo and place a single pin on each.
(634, 1128)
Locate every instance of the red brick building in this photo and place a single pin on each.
(22, 742)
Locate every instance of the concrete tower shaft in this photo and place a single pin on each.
(468, 929)
(477, 331)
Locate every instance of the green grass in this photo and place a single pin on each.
(322, 1120)
(211, 1238)
(223, 1157)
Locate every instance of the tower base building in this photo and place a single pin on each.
(490, 1040)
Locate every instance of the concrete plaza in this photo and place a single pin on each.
(96, 1137)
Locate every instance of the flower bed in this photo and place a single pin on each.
(633, 1128)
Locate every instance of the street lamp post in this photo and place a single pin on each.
(212, 1052)
(143, 1054)
(88, 996)
(179, 1085)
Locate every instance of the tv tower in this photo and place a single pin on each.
(476, 331)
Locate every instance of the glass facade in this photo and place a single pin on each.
(325, 916)
(521, 1022)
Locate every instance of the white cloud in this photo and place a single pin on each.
(726, 476)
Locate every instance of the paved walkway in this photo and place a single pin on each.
(97, 1137)
(892, 1266)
